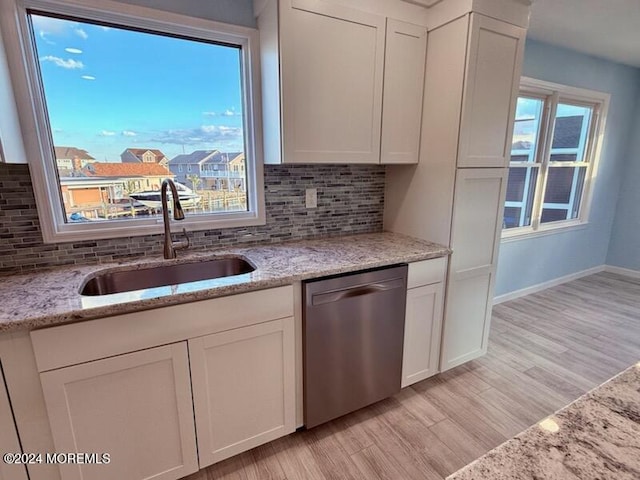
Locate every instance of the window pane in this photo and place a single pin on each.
(563, 194)
(511, 217)
(128, 109)
(553, 215)
(526, 128)
(570, 133)
(520, 196)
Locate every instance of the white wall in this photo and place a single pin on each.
(238, 12)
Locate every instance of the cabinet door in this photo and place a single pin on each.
(332, 63)
(135, 407)
(494, 63)
(8, 437)
(475, 236)
(405, 57)
(243, 388)
(422, 330)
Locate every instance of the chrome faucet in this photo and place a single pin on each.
(170, 246)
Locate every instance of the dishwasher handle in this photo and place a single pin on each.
(337, 295)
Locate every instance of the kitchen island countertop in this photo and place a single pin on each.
(595, 437)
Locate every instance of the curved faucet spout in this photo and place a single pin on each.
(170, 246)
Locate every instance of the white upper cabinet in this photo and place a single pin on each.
(332, 61)
(323, 68)
(405, 55)
(494, 61)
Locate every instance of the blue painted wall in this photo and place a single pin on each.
(624, 248)
(528, 262)
(238, 12)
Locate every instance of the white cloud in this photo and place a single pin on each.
(212, 135)
(128, 133)
(44, 36)
(226, 113)
(73, 50)
(49, 25)
(105, 29)
(107, 133)
(81, 33)
(88, 77)
(60, 62)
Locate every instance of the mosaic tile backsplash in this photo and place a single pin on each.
(350, 200)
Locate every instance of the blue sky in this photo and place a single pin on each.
(530, 108)
(108, 89)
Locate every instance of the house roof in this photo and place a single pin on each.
(99, 169)
(222, 158)
(72, 152)
(206, 157)
(566, 133)
(194, 157)
(138, 152)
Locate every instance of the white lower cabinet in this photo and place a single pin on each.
(135, 407)
(9, 442)
(243, 388)
(147, 387)
(423, 320)
(475, 233)
(468, 317)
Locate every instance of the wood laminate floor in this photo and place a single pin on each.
(545, 351)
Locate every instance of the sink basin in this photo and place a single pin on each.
(164, 275)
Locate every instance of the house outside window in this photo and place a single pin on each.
(557, 138)
(81, 54)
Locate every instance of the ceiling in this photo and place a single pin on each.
(605, 28)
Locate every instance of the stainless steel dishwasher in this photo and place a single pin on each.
(353, 331)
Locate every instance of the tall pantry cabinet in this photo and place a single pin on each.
(455, 195)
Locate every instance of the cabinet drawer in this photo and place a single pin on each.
(426, 272)
(91, 340)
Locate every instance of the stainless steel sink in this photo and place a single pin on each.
(129, 280)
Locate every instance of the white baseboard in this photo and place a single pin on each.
(551, 283)
(627, 272)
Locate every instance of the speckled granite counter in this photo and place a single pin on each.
(595, 437)
(51, 297)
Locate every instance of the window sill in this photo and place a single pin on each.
(508, 237)
(130, 228)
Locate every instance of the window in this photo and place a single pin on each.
(83, 67)
(556, 139)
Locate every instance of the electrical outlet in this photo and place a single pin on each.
(311, 198)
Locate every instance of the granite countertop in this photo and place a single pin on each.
(52, 297)
(595, 437)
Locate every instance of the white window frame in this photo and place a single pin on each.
(30, 100)
(554, 93)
